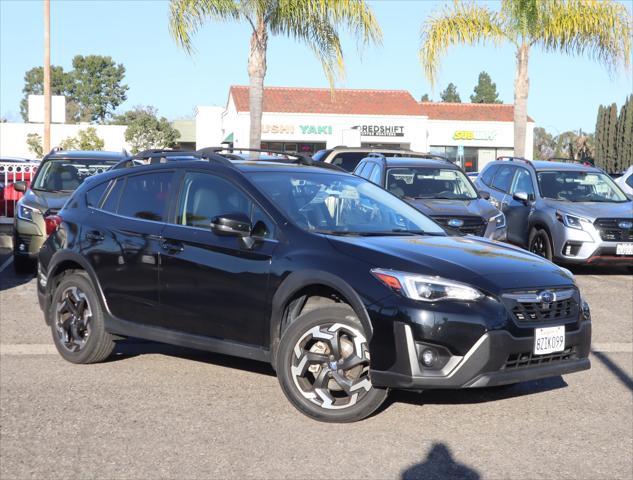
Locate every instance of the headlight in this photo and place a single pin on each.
(26, 213)
(426, 288)
(571, 221)
(499, 220)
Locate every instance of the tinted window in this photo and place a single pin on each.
(320, 155)
(359, 169)
(422, 182)
(486, 176)
(348, 160)
(146, 196)
(94, 195)
(111, 202)
(68, 174)
(206, 197)
(629, 181)
(523, 182)
(503, 178)
(375, 175)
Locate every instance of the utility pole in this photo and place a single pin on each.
(47, 76)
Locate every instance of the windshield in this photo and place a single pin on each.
(65, 175)
(430, 183)
(341, 205)
(576, 186)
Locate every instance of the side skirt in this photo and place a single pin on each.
(118, 326)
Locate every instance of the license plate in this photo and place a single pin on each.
(549, 340)
(624, 249)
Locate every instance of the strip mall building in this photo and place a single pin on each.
(310, 119)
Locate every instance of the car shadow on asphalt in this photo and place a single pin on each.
(439, 464)
(133, 347)
(598, 270)
(10, 279)
(474, 395)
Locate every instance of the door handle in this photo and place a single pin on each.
(171, 246)
(95, 236)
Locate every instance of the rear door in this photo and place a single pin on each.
(214, 285)
(121, 239)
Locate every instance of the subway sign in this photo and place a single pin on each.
(474, 135)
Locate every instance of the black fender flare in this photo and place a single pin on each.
(60, 258)
(297, 281)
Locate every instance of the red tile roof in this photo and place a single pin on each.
(483, 112)
(321, 100)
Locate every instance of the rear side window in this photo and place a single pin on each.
(486, 176)
(146, 196)
(629, 181)
(503, 178)
(95, 194)
(375, 175)
(348, 160)
(111, 201)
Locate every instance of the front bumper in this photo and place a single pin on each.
(497, 358)
(28, 237)
(586, 246)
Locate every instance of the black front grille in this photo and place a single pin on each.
(528, 359)
(543, 312)
(610, 230)
(471, 225)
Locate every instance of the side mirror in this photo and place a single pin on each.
(485, 195)
(20, 186)
(521, 197)
(232, 225)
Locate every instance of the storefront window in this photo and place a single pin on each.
(307, 148)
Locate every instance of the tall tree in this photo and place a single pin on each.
(313, 22)
(450, 94)
(599, 29)
(61, 84)
(544, 144)
(599, 138)
(485, 91)
(97, 87)
(611, 138)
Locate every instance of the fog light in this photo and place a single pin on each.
(428, 357)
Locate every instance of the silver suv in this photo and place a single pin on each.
(565, 212)
(348, 158)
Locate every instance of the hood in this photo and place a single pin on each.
(593, 210)
(44, 201)
(489, 265)
(453, 208)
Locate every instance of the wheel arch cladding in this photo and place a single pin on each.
(297, 284)
(65, 261)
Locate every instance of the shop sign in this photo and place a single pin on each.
(474, 135)
(316, 129)
(305, 129)
(382, 131)
(288, 129)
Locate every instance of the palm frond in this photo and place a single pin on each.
(463, 23)
(601, 30)
(187, 16)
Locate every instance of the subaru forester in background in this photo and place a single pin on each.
(344, 288)
(438, 188)
(57, 177)
(565, 212)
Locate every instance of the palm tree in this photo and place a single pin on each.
(599, 29)
(313, 22)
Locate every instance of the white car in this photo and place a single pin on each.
(625, 182)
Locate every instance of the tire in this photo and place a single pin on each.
(327, 339)
(76, 319)
(540, 244)
(22, 264)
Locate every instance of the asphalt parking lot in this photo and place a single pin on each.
(154, 411)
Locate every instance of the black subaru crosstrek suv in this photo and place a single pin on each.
(344, 288)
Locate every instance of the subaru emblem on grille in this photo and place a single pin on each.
(546, 297)
(625, 225)
(455, 222)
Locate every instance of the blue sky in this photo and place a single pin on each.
(564, 91)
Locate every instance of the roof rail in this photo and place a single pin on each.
(570, 160)
(509, 158)
(284, 157)
(162, 155)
